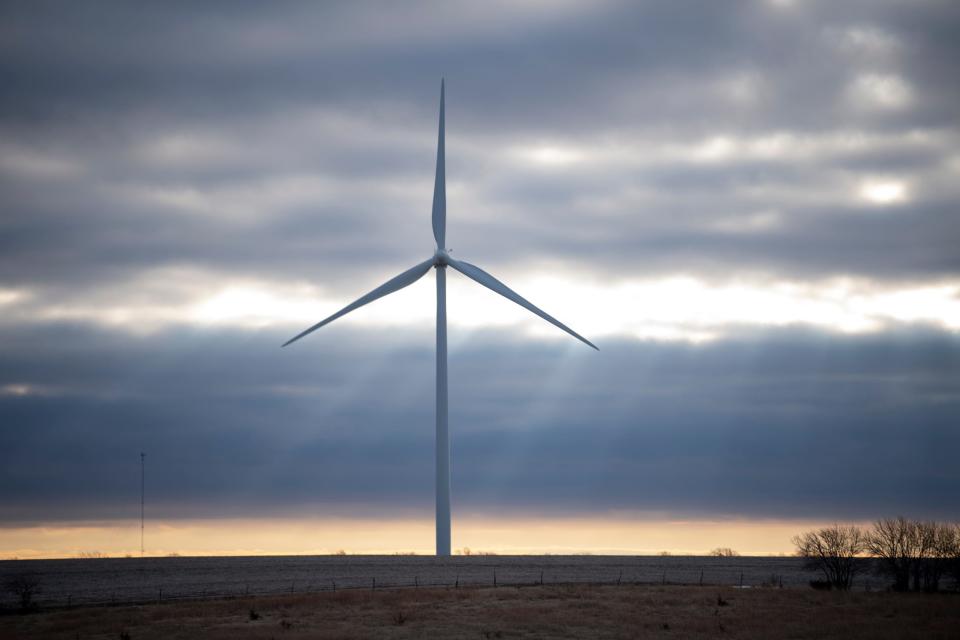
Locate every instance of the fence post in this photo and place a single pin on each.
(456, 584)
(374, 583)
(541, 577)
(620, 577)
(160, 594)
(494, 577)
(701, 576)
(334, 582)
(291, 585)
(663, 578)
(416, 581)
(741, 579)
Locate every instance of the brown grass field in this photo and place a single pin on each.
(580, 611)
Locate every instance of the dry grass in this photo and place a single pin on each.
(530, 612)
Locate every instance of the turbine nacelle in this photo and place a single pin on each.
(441, 258)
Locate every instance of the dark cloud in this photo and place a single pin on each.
(786, 424)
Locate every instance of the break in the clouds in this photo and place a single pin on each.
(751, 207)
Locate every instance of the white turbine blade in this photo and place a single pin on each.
(440, 186)
(487, 280)
(405, 279)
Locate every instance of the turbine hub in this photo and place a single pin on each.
(441, 257)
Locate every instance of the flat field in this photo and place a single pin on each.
(575, 611)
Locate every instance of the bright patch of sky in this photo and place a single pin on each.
(672, 308)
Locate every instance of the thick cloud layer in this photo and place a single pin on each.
(784, 424)
(624, 138)
(768, 190)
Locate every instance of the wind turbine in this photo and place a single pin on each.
(440, 260)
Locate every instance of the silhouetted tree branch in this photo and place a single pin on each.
(914, 553)
(832, 550)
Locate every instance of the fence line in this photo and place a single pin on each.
(167, 594)
(60, 590)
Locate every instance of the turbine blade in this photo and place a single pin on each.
(405, 279)
(440, 186)
(479, 275)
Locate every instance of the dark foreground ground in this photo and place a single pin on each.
(580, 611)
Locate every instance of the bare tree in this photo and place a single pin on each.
(723, 552)
(939, 544)
(895, 542)
(24, 587)
(833, 551)
(915, 554)
(953, 561)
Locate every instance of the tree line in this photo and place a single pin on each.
(915, 554)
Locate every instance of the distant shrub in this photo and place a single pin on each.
(24, 587)
(724, 552)
(254, 615)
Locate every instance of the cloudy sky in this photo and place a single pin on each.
(750, 207)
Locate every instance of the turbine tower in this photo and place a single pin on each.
(441, 260)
